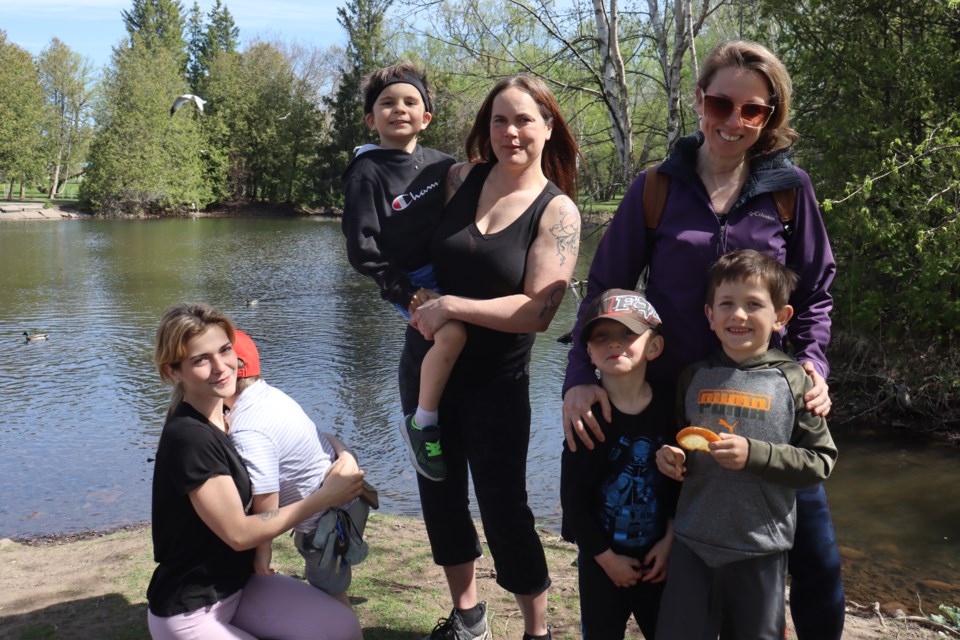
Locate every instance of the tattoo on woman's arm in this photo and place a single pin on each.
(567, 231)
(268, 515)
(554, 298)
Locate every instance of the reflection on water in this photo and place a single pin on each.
(80, 414)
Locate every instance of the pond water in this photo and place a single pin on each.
(80, 413)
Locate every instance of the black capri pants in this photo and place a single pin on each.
(484, 427)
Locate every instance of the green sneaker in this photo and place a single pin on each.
(454, 628)
(425, 453)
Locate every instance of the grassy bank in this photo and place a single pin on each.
(94, 587)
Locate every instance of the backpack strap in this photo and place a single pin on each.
(655, 186)
(786, 203)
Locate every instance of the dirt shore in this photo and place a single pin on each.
(93, 585)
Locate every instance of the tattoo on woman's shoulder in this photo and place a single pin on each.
(454, 179)
(566, 232)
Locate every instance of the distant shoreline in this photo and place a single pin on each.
(30, 210)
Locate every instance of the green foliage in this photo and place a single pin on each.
(897, 234)
(22, 114)
(950, 617)
(67, 84)
(881, 139)
(142, 159)
(155, 25)
(366, 51)
(219, 35)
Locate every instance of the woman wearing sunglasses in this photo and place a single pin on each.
(722, 181)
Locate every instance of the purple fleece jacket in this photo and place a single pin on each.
(690, 238)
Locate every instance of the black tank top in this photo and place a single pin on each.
(484, 266)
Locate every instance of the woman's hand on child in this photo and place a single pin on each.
(817, 399)
(730, 451)
(431, 315)
(578, 414)
(670, 462)
(623, 571)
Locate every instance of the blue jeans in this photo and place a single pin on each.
(816, 590)
(422, 278)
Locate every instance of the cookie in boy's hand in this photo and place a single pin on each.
(695, 438)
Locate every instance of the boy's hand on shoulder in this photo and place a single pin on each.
(623, 571)
(731, 451)
(670, 462)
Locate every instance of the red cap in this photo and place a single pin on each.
(248, 355)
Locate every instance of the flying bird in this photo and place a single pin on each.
(185, 98)
(286, 116)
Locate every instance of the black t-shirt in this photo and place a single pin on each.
(196, 568)
(613, 496)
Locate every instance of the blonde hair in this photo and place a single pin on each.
(180, 325)
(742, 54)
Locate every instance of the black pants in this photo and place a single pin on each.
(484, 427)
(605, 608)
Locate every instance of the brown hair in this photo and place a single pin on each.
(375, 82)
(776, 134)
(748, 265)
(180, 325)
(560, 153)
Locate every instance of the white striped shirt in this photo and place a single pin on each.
(280, 446)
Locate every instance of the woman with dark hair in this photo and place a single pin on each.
(204, 532)
(504, 253)
(724, 191)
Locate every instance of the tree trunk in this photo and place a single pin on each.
(56, 177)
(615, 93)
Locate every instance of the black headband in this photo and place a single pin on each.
(406, 78)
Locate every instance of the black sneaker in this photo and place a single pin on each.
(454, 628)
(425, 453)
(549, 636)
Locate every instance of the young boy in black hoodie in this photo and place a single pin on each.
(394, 196)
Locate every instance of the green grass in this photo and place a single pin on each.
(68, 192)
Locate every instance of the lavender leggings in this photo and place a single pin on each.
(277, 607)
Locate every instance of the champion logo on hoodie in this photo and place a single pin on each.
(404, 200)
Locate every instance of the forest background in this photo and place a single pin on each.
(876, 101)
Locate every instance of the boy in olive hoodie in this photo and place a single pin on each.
(736, 516)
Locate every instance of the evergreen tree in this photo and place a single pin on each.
(196, 40)
(363, 22)
(155, 25)
(142, 159)
(219, 35)
(222, 33)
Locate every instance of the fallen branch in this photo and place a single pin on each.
(930, 623)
